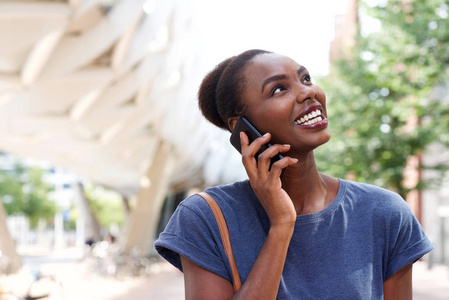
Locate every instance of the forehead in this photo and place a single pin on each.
(266, 65)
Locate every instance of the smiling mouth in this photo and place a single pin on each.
(310, 118)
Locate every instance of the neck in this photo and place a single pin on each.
(309, 190)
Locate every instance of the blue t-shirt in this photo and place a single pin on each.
(345, 251)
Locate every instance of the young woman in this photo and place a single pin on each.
(302, 235)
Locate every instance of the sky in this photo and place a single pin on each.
(297, 28)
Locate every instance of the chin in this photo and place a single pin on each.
(321, 141)
(326, 139)
(323, 138)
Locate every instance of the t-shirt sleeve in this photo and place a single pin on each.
(191, 233)
(407, 240)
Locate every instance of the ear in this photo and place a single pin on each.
(231, 122)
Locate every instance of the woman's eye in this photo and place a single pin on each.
(307, 78)
(277, 89)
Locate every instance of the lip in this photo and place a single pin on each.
(318, 125)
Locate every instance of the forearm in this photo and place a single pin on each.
(265, 275)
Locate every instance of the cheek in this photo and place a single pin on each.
(266, 117)
(271, 110)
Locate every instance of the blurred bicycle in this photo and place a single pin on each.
(108, 260)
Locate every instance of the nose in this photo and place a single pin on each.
(305, 93)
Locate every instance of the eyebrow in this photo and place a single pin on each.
(280, 77)
(271, 79)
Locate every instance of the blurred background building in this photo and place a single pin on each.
(106, 90)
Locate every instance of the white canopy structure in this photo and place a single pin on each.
(107, 89)
(97, 86)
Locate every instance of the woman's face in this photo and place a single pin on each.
(280, 98)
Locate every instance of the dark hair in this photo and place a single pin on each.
(220, 92)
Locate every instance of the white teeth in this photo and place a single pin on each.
(310, 118)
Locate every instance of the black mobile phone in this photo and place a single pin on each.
(244, 125)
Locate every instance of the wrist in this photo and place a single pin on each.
(282, 230)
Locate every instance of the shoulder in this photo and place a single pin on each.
(231, 191)
(367, 189)
(194, 220)
(229, 196)
(193, 232)
(238, 203)
(378, 204)
(375, 196)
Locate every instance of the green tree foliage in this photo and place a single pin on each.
(105, 204)
(382, 102)
(24, 192)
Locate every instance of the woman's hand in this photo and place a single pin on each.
(264, 278)
(266, 182)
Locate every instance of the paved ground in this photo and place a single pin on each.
(430, 284)
(166, 283)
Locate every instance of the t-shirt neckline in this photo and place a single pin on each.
(309, 218)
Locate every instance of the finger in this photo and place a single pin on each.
(254, 146)
(248, 160)
(277, 167)
(244, 142)
(264, 159)
(249, 150)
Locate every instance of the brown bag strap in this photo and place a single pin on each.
(224, 237)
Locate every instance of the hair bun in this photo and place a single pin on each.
(220, 92)
(207, 94)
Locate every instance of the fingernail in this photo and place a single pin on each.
(266, 134)
(286, 145)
